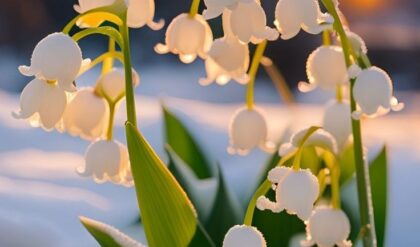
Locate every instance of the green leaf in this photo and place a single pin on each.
(106, 235)
(168, 217)
(201, 238)
(226, 213)
(180, 139)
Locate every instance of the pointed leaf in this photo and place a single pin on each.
(201, 238)
(168, 216)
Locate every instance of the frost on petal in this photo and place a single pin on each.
(292, 15)
(42, 103)
(328, 227)
(326, 67)
(56, 58)
(373, 92)
(356, 42)
(112, 84)
(86, 115)
(319, 138)
(188, 37)
(336, 121)
(247, 130)
(142, 12)
(86, 5)
(242, 235)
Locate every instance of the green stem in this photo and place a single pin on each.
(262, 190)
(110, 132)
(194, 8)
(259, 52)
(362, 175)
(326, 38)
(109, 61)
(106, 30)
(101, 58)
(335, 186)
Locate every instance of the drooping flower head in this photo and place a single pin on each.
(373, 92)
(43, 103)
(296, 192)
(325, 68)
(107, 161)
(112, 83)
(56, 58)
(248, 130)
(242, 235)
(188, 37)
(292, 15)
(357, 43)
(327, 227)
(336, 121)
(214, 8)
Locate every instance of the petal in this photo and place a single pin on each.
(31, 98)
(336, 121)
(52, 106)
(140, 12)
(242, 235)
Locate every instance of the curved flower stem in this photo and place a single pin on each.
(106, 30)
(326, 38)
(194, 8)
(112, 108)
(259, 52)
(109, 61)
(102, 58)
(362, 174)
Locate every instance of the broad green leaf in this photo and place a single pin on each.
(226, 213)
(106, 235)
(201, 238)
(168, 217)
(180, 139)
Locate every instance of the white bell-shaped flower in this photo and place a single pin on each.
(327, 227)
(227, 59)
(56, 57)
(296, 192)
(337, 121)
(107, 161)
(214, 8)
(325, 68)
(248, 22)
(112, 83)
(86, 115)
(42, 103)
(320, 138)
(243, 235)
(292, 15)
(357, 43)
(373, 92)
(248, 130)
(139, 13)
(188, 37)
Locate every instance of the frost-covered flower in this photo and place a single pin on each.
(373, 91)
(320, 138)
(56, 58)
(188, 37)
(214, 8)
(139, 13)
(337, 121)
(107, 161)
(296, 192)
(248, 22)
(227, 59)
(43, 103)
(325, 68)
(112, 83)
(242, 235)
(292, 15)
(248, 130)
(86, 115)
(327, 227)
(357, 43)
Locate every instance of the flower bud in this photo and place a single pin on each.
(56, 58)
(227, 59)
(107, 161)
(112, 83)
(42, 103)
(296, 192)
(188, 37)
(86, 115)
(242, 235)
(373, 91)
(292, 15)
(248, 130)
(337, 121)
(327, 227)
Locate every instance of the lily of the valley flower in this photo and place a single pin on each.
(107, 161)
(336, 121)
(227, 59)
(86, 115)
(214, 8)
(327, 227)
(248, 130)
(325, 68)
(112, 83)
(373, 92)
(292, 15)
(56, 58)
(188, 37)
(248, 22)
(242, 235)
(43, 103)
(296, 192)
(357, 43)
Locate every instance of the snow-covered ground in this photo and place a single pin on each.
(41, 196)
